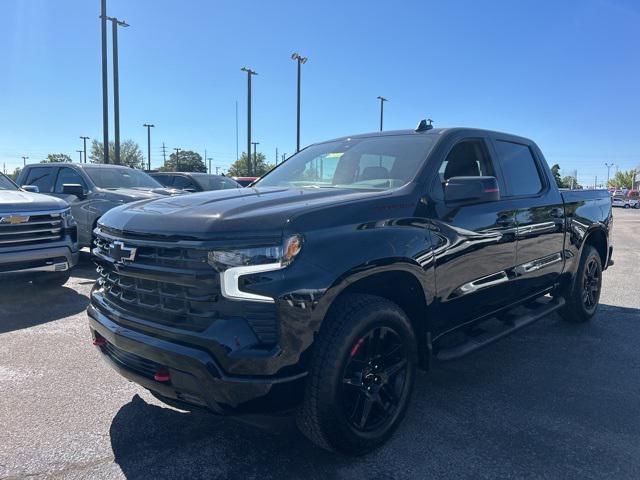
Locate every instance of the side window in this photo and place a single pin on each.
(164, 180)
(468, 158)
(68, 175)
(519, 168)
(182, 183)
(42, 177)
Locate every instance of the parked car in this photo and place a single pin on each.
(324, 287)
(625, 201)
(91, 189)
(245, 181)
(38, 236)
(194, 182)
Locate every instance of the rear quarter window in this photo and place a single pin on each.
(519, 168)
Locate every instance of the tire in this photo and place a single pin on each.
(626, 205)
(52, 280)
(583, 294)
(364, 359)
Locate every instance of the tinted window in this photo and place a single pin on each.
(376, 163)
(183, 183)
(468, 158)
(67, 176)
(42, 177)
(6, 184)
(519, 168)
(120, 177)
(216, 182)
(163, 179)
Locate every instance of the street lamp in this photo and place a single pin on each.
(255, 157)
(105, 95)
(301, 60)
(608, 165)
(250, 73)
(115, 23)
(177, 159)
(24, 161)
(84, 139)
(80, 152)
(382, 100)
(149, 127)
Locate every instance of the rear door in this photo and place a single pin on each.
(475, 247)
(540, 214)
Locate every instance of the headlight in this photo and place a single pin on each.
(282, 255)
(67, 220)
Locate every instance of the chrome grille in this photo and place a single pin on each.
(26, 229)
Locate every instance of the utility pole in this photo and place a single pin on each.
(149, 126)
(164, 154)
(177, 159)
(115, 23)
(250, 73)
(84, 139)
(284, 156)
(382, 100)
(80, 152)
(595, 183)
(255, 158)
(24, 161)
(608, 165)
(276, 155)
(209, 160)
(301, 60)
(237, 157)
(105, 80)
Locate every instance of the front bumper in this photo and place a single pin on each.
(194, 376)
(57, 257)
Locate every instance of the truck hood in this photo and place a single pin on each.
(222, 214)
(16, 201)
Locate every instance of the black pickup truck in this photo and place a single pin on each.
(321, 289)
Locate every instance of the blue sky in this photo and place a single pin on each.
(566, 74)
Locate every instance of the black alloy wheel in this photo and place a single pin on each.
(591, 282)
(374, 379)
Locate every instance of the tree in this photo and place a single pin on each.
(555, 170)
(14, 176)
(57, 157)
(130, 153)
(570, 181)
(187, 161)
(622, 179)
(260, 166)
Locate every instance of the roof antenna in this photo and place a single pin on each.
(424, 125)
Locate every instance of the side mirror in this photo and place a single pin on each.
(30, 188)
(471, 190)
(74, 189)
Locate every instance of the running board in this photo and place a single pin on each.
(509, 322)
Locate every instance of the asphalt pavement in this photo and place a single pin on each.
(552, 401)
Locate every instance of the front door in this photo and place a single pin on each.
(474, 245)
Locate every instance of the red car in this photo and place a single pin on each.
(245, 181)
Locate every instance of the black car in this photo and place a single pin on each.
(194, 182)
(324, 287)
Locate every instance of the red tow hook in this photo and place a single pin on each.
(162, 375)
(99, 342)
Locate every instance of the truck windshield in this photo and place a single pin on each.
(6, 184)
(124, 177)
(373, 163)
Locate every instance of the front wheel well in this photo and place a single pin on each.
(403, 289)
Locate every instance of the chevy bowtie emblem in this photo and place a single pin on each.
(121, 253)
(14, 219)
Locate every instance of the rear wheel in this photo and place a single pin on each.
(584, 293)
(361, 377)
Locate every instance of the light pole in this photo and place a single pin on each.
(116, 85)
(255, 158)
(84, 140)
(177, 159)
(105, 80)
(209, 160)
(80, 152)
(608, 165)
(149, 127)
(301, 60)
(250, 73)
(24, 161)
(382, 100)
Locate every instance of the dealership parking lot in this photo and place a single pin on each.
(553, 401)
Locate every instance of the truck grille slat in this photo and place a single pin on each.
(149, 288)
(38, 228)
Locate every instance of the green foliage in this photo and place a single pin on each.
(555, 171)
(622, 179)
(570, 182)
(14, 176)
(130, 153)
(240, 168)
(57, 157)
(186, 161)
